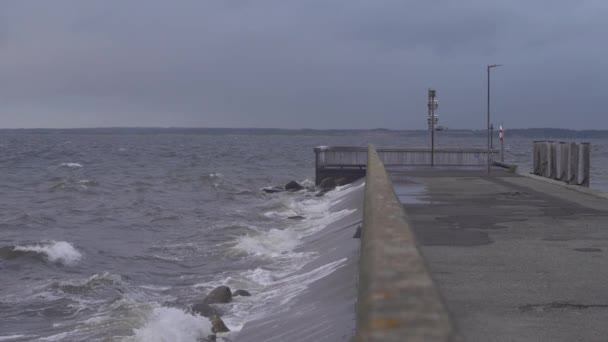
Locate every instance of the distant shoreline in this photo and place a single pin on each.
(515, 132)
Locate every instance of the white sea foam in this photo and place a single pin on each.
(96, 280)
(340, 192)
(155, 287)
(281, 242)
(172, 324)
(277, 284)
(278, 293)
(57, 337)
(72, 165)
(55, 251)
(272, 243)
(307, 183)
(261, 276)
(310, 207)
(322, 222)
(291, 286)
(280, 214)
(13, 337)
(273, 290)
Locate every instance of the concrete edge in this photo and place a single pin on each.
(578, 188)
(509, 167)
(397, 298)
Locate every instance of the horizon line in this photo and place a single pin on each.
(289, 129)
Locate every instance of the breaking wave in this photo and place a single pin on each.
(172, 324)
(61, 252)
(272, 243)
(89, 284)
(71, 165)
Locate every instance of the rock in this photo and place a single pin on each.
(205, 310)
(357, 233)
(296, 217)
(342, 181)
(220, 294)
(321, 193)
(328, 183)
(293, 186)
(241, 293)
(272, 190)
(210, 338)
(218, 326)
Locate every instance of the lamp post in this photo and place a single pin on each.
(432, 120)
(490, 66)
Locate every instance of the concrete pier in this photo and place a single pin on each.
(397, 299)
(452, 254)
(515, 258)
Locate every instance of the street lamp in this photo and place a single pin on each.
(432, 120)
(490, 66)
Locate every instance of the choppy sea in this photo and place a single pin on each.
(112, 235)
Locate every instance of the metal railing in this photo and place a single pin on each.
(349, 156)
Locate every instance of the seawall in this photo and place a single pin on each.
(323, 292)
(376, 288)
(397, 299)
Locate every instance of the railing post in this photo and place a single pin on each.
(318, 164)
(537, 158)
(553, 159)
(586, 161)
(563, 162)
(572, 163)
(544, 158)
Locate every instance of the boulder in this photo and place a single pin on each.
(357, 233)
(272, 190)
(328, 183)
(220, 294)
(343, 181)
(210, 338)
(218, 326)
(293, 186)
(296, 217)
(321, 193)
(241, 293)
(205, 310)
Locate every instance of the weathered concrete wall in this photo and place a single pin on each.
(397, 299)
(568, 162)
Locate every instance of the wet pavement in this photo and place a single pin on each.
(515, 259)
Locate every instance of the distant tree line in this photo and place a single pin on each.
(541, 133)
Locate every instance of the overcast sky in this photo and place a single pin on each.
(302, 64)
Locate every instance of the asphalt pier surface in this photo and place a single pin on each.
(515, 259)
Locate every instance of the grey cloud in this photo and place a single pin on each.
(322, 64)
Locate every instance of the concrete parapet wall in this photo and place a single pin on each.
(397, 299)
(565, 161)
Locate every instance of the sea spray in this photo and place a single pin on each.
(172, 324)
(54, 251)
(71, 165)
